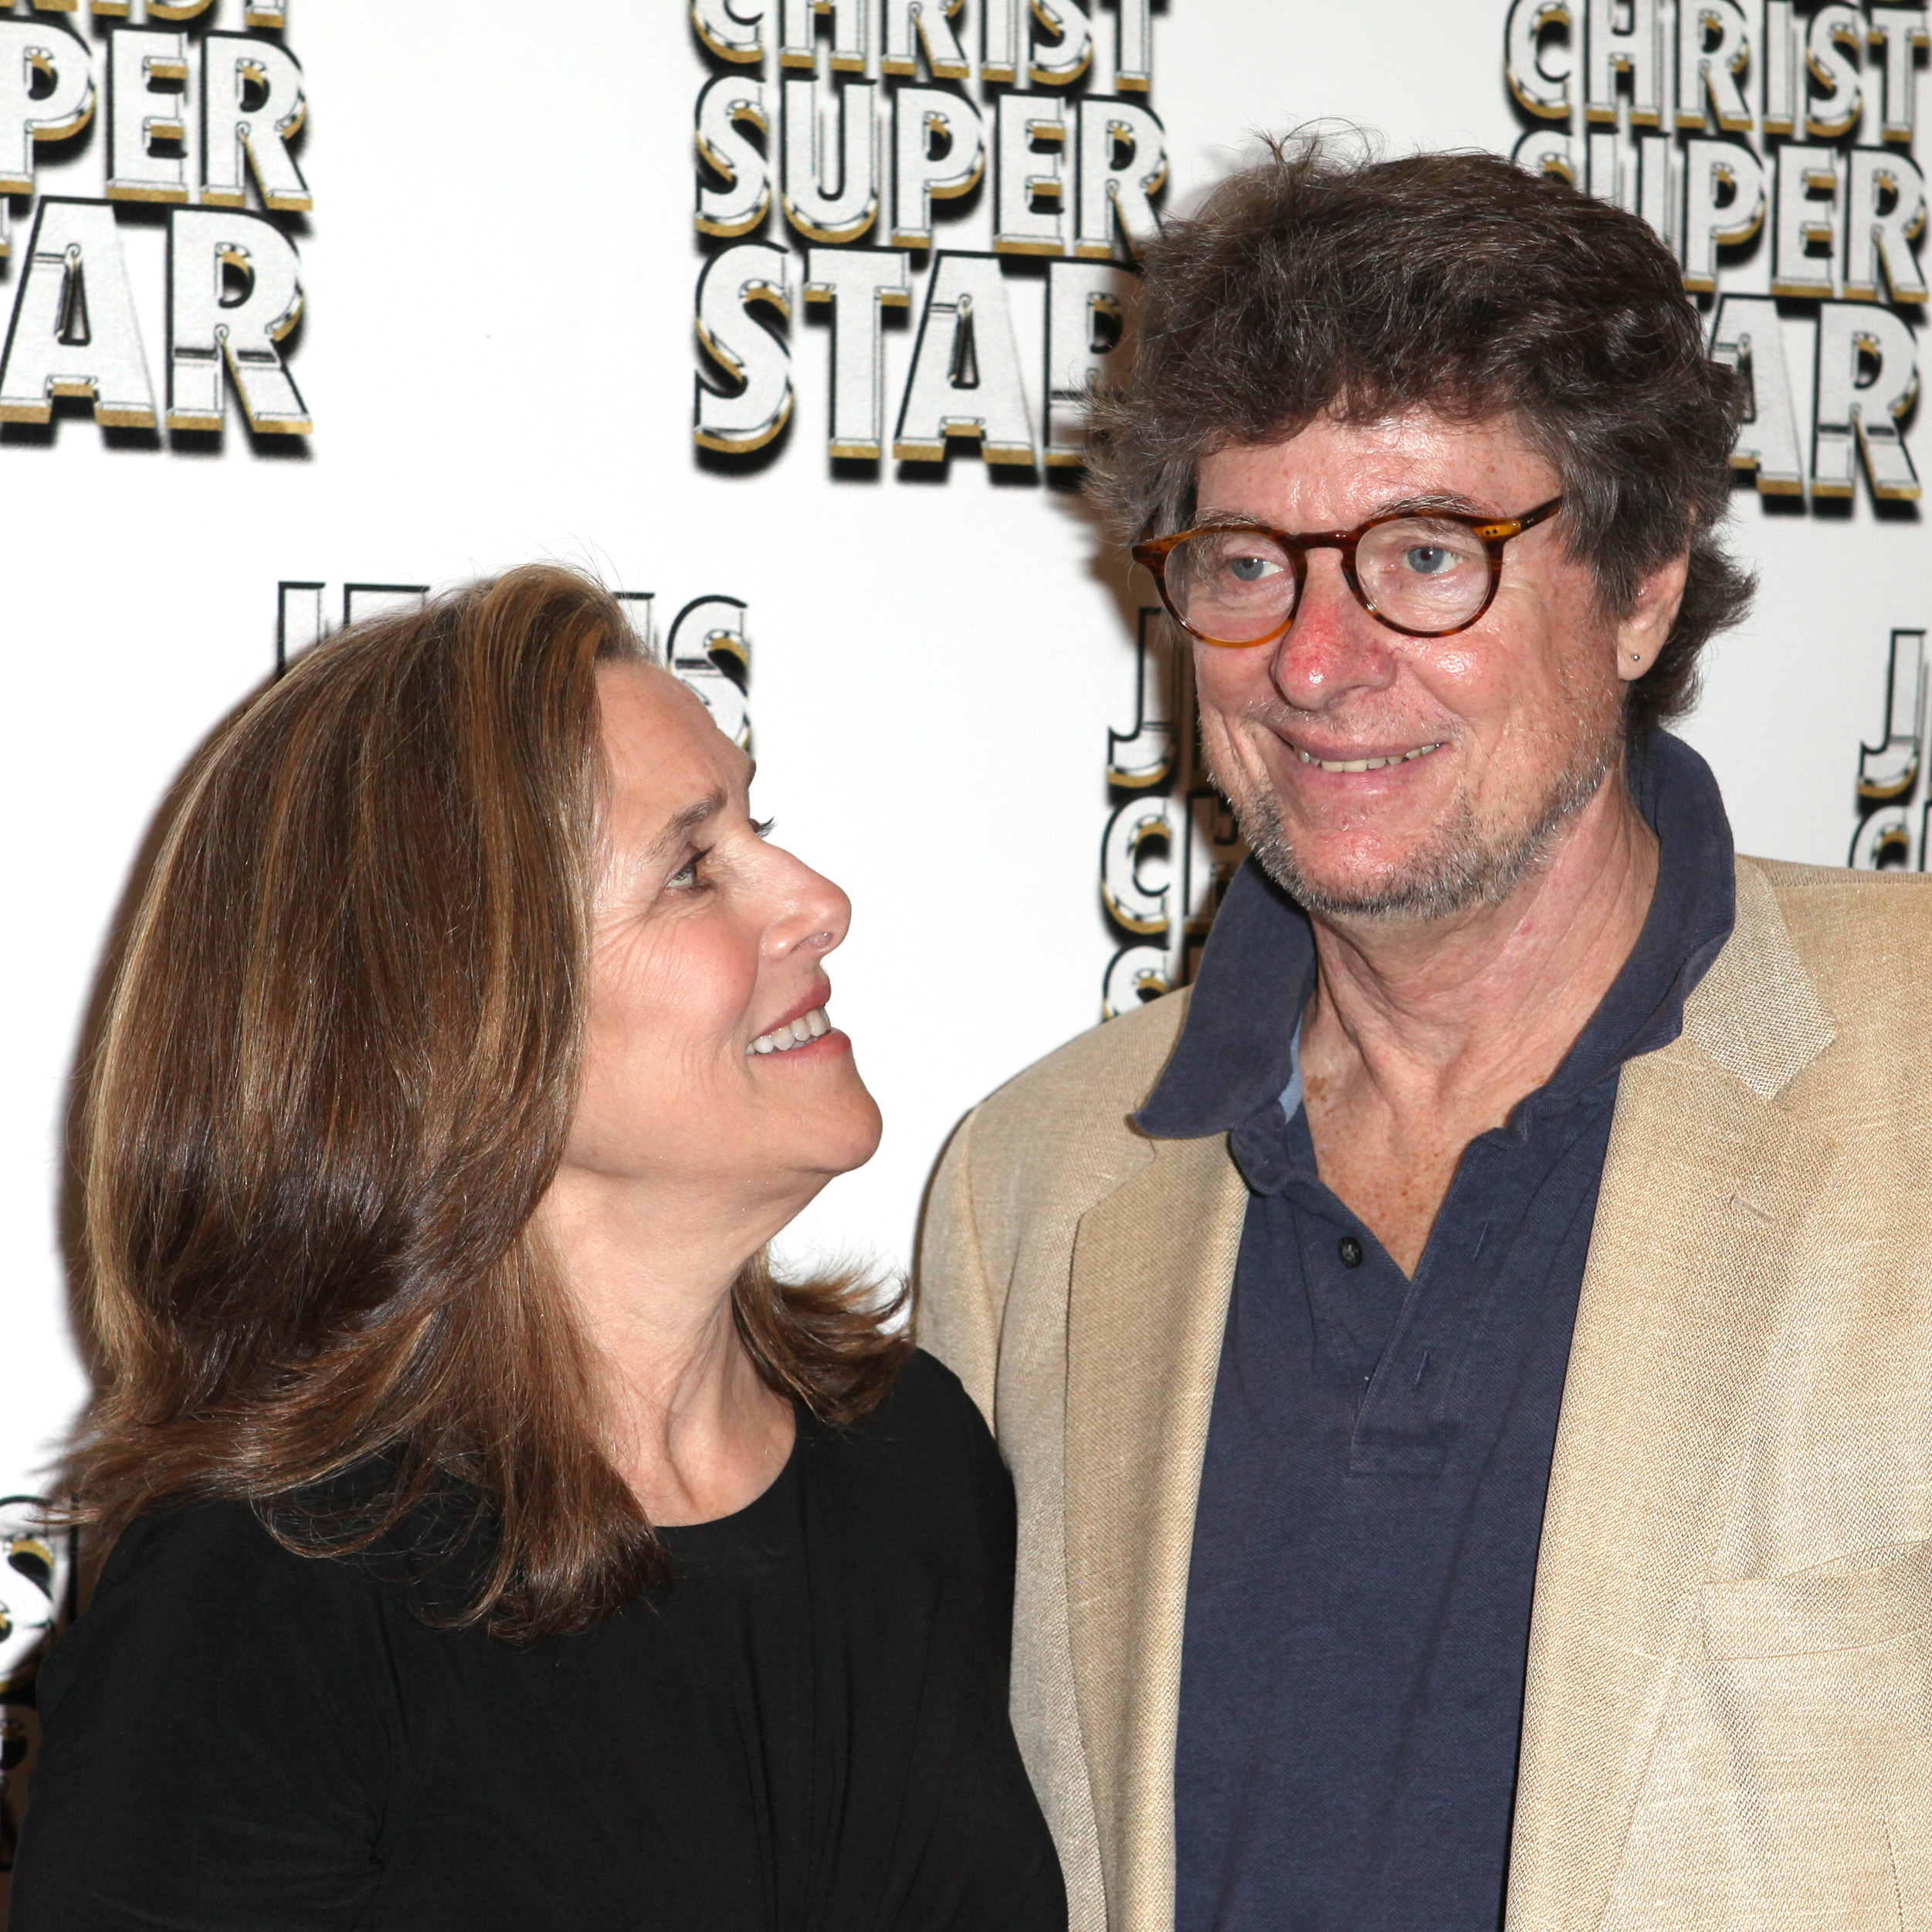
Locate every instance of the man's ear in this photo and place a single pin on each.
(1642, 634)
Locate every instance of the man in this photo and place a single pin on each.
(1466, 1368)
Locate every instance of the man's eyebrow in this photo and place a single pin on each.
(1434, 500)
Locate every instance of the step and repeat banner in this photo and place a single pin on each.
(771, 313)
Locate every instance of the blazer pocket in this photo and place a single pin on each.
(1851, 1603)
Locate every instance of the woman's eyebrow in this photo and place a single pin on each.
(679, 828)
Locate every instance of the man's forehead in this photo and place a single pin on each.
(1417, 457)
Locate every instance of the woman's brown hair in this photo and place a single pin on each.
(336, 1072)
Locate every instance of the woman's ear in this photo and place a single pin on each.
(1642, 633)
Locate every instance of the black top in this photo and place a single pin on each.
(1372, 1500)
(807, 1731)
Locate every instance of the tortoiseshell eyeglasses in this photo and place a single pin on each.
(1423, 573)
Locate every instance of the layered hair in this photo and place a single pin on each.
(1322, 282)
(335, 1080)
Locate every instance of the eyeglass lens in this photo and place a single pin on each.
(1239, 585)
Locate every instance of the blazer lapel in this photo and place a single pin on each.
(1705, 1190)
(1153, 1266)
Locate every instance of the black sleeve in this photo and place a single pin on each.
(220, 1732)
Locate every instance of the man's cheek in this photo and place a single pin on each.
(1233, 759)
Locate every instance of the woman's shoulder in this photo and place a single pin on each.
(210, 1589)
(200, 1601)
(330, 1538)
(216, 1550)
(216, 1560)
(927, 1441)
(927, 1400)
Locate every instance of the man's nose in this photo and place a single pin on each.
(1333, 647)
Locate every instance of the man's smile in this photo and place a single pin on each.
(1370, 761)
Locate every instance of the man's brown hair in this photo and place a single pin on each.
(336, 1078)
(1323, 281)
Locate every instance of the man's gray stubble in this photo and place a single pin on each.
(1460, 870)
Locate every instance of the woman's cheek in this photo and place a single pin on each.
(708, 982)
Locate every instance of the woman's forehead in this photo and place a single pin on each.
(663, 753)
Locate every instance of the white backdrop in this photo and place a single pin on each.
(497, 353)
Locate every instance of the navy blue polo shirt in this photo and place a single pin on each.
(1358, 1603)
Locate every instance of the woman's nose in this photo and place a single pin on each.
(817, 917)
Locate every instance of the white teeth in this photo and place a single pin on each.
(1368, 765)
(798, 1033)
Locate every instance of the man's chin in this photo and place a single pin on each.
(1359, 888)
(1393, 895)
(1453, 869)
(1355, 871)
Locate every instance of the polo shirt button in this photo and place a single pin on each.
(1350, 1251)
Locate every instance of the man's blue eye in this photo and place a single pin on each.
(1426, 560)
(686, 874)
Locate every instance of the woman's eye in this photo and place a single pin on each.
(686, 874)
(763, 827)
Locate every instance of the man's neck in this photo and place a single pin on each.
(1424, 1034)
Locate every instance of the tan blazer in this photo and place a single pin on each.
(1729, 1717)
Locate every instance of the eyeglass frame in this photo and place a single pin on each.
(1493, 532)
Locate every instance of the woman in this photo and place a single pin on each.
(495, 1542)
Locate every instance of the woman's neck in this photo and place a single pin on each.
(687, 1420)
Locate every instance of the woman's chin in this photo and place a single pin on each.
(860, 1132)
(819, 1144)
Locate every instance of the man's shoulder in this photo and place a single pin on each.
(1872, 925)
(1063, 1130)
(1902, 891)
(1846, 959)
(1108, 1071)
